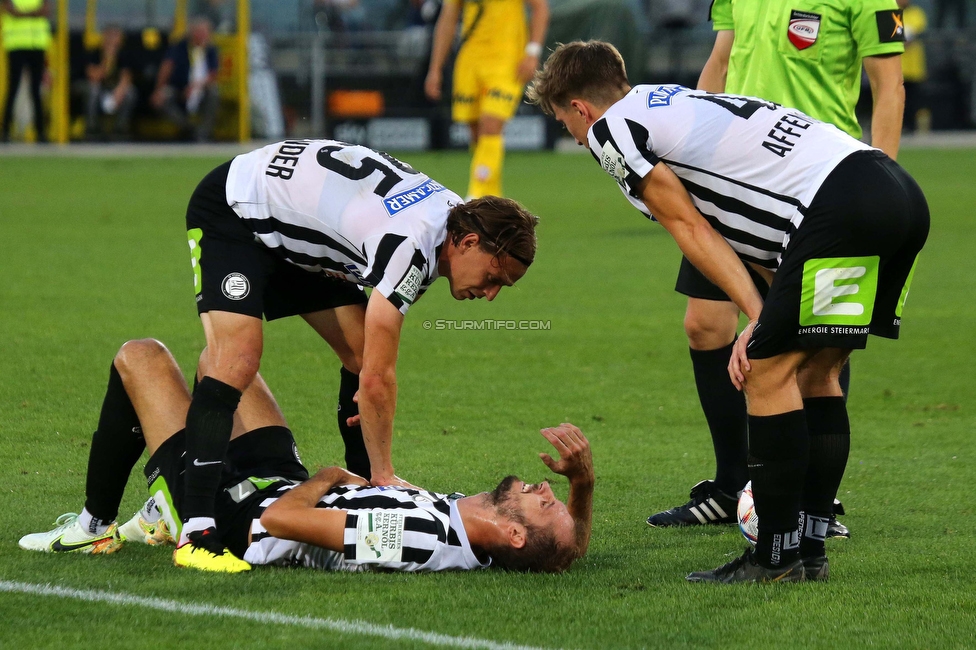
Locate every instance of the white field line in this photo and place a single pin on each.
(201, 609)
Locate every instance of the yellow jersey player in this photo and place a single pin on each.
(498, 54)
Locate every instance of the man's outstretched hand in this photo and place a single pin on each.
(575, 460)
(575, 463)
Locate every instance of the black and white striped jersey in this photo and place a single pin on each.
(344, 210)
(390, 528)
(751, 167)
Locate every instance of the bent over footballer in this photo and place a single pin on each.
(299, 228)
(832, 223)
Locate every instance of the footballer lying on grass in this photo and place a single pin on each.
(270, 512)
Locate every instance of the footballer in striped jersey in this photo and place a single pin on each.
(270, 512)
(301, 227)
(834, 225)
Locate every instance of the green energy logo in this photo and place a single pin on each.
(839, 291)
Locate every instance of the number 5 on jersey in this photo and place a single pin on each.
(366, 167)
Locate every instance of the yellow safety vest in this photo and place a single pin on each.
(26, 33)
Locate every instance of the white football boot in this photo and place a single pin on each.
(70, 537)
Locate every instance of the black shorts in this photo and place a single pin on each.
(693, 283)
(233, 271)
(255, 465)
(847, 269)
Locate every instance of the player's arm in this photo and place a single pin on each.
(888, 94)
(378, 385)
(716, 69)
(575, 463)
(538, 26)
(669, 202)
(295, 517)
(443, 36)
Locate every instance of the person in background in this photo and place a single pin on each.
(913, 65)
(186, 86)
(26, 37)
(220, 13)
(110, 88)
(498, 54)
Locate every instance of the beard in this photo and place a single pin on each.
(502, 493)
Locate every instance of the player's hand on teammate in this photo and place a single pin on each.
(432, 85)
(378, 481)
(527, 67)
(394, 481)
(339, 476)
(575, 460)
(739, 362)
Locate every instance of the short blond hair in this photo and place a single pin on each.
(590, 70)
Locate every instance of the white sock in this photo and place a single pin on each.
(92, 525)
(150, 511)
(194, 524)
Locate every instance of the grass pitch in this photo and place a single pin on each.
(94, 253)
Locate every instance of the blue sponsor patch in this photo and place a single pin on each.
(399, 202)
(354, 272)
(661, 96)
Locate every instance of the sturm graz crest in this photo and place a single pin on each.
(235, 286)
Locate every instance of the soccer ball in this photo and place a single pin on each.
(746, 512)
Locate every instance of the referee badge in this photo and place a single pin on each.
(235, 286)
(891, 26)
(803, 29)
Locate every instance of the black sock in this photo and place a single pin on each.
(830, 445)
(725, 412)
(116, 446)
(779, 447)
(209, 423)
(357, 460)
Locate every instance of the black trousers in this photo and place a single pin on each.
(17, 60)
